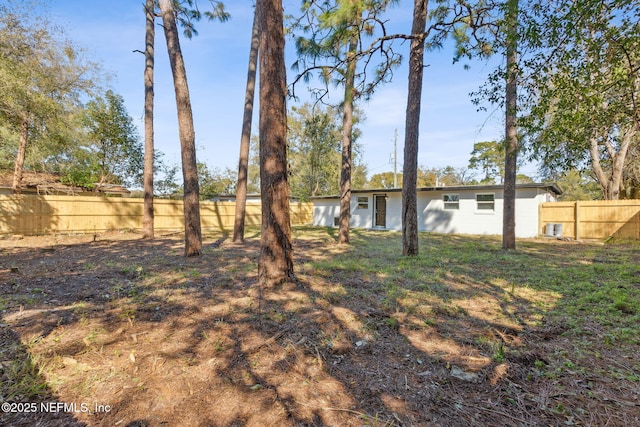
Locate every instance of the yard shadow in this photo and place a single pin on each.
(270, 356)
(168, 340)
(26, 214)
(630, 229)
(438, 221)
(27, 399)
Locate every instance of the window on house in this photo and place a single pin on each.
(363, 202)
(485, 202)
(451, 201)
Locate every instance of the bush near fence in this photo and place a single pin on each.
(37, 215)
(593, 219)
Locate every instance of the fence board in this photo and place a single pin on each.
(33, 214)
(596, 219)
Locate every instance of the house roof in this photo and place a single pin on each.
(111, 189)
(47, 183)
(250, 197)
(552, 187)
(41, 182)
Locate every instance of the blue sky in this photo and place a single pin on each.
(216, 63)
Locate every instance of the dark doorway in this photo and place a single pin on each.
(380, 207)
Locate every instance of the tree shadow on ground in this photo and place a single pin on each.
(168, 340)
(27, 400)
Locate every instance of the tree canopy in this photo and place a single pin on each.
(314, 142)
(488, 157)
(578, 78)
(584, 85)
(44, 79)
(54, 111)
(114, 151)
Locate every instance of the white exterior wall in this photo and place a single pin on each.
(433, 217)
(527, 212)
(361, 218)
(394, 211)
(324, 211)
(468, 219)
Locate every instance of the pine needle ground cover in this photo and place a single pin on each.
(114, 330)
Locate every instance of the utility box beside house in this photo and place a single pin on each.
(473, 209)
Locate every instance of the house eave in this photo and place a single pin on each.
(493, 187)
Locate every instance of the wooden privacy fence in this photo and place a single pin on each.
(596, 219)
(34, 215)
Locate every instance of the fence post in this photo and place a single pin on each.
(540, 219)
(576, 217)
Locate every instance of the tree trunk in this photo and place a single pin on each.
(243, 163)
(147, 220)
(511, 130)
(617, 167)
(412, 129)
(347, 143)
(192, 227)
(22, 153)
(276, 260)
(611, 184)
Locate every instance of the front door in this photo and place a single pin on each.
(380, 207)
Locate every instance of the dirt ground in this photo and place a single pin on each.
(112, 330)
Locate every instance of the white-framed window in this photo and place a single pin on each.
(363, 202)
(451, 201)
(485, 202)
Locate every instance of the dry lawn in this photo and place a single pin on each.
(112, 330)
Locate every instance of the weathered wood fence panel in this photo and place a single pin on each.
(595, 219)
(33, 215)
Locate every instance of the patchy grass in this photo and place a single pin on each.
(462, 334)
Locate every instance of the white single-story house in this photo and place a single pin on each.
(472, 209)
